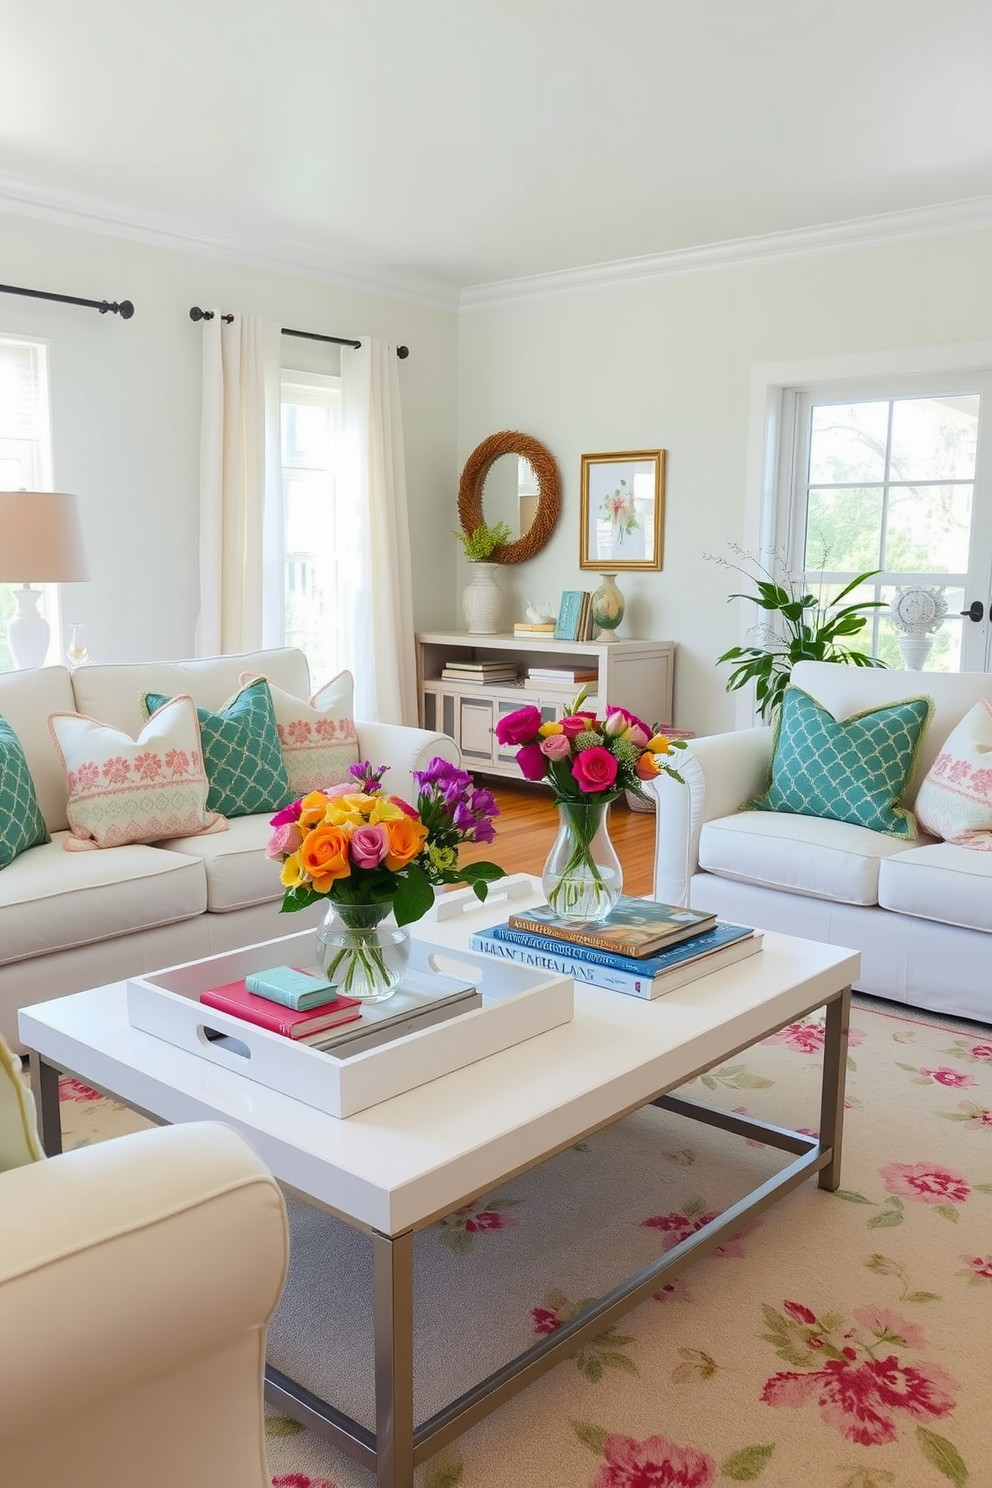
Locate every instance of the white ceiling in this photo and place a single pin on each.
(448, 143)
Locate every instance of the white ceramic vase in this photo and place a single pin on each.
(482, 600)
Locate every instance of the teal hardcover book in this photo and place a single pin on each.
(569, 615)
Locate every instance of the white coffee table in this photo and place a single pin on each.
(396, 1168)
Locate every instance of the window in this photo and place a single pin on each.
(311, 428)
(25, 456)
(889, 482)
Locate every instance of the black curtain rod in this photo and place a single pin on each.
(124, 309)
(197, 314)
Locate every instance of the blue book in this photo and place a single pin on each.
(643, 976)
(569, 615)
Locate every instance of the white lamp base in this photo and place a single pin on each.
(28, 633)
(915, 650)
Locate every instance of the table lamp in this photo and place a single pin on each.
(41, 543)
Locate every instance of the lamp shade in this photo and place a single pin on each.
(40, 538)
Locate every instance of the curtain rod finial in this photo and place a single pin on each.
(402, 352)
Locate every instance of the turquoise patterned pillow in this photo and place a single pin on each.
(21, 822)
(854, 771)
(241, 752)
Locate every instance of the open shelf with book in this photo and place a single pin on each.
(463, 690)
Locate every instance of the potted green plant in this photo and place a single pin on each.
(801, 627)
(482, 599)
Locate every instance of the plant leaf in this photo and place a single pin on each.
(948, 1211)
(747, 1464)
(887, 1220)
(852, 1197)
(942, 1455)
(593, 1437)
(282, 1426)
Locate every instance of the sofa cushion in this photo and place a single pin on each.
(238, 874)
(318, 739)
(52, 900)
(853, 770)
(21, 822)
(801, 854)
(940, 882)
(241, 752)
(27, 700)
(955, 800)
(125, 790)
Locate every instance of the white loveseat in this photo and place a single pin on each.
(920, 913)
(72, 920)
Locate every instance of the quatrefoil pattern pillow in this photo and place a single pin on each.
(318, 739)
(955, 799)
(241, 752)
(21, 822)
(855, 771)
(134, 790)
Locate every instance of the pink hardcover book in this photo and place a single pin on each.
(235, 998)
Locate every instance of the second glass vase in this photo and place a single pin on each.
(361, 953)
(582, 877)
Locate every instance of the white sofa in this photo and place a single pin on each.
(920, 913)
(72, 920)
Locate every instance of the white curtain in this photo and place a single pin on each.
(241, 547)
(375, 602)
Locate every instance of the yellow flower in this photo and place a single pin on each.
(292, 874)
(312, 808)
(385, 810)
(659, 745)
(345, 811)
(547, 729)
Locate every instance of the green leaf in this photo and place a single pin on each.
(948, 1211)
(282, 1426)
(852, 1197)
(922, 1297)
(982, 1187)
(487, 872)
(414, 895)
(747, 1464)
(887, 1220)
(940, 1453)
(911, 1067)
(752, 1082)
(593, 1437)
(619, 1361)
(895, 1201)
(592, 1369)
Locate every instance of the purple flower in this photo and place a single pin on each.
(369, 779)
(484, 802)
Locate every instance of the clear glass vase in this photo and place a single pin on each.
(362, 951)
(583, 877)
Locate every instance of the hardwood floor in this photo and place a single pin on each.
(526, 826)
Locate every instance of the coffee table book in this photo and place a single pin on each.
(633, 927)
(517, 1003)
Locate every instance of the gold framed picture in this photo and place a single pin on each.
(623, 510)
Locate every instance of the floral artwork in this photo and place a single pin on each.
(622, 510)
(618, 509)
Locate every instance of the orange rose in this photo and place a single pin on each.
(312, 809)
(647, 766)
(324, 856)
(405, 838)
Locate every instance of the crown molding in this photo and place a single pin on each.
(972, 215)
(64, 208)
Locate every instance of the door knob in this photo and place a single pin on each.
(975, 611)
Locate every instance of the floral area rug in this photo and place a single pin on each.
(839, 1341)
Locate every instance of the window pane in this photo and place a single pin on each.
(928, 529)
(306, 436)
(842, 529)
(934, 438)
(847, 442)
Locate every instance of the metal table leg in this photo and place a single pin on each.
(45, 1088)
(392, 1289)
(832, 1089)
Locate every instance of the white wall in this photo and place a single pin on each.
(668, 364)
(126, 409)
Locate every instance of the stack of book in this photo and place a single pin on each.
(285, 1000)
(480, 671)
(533, 627)
(642, 949)
(560, 679)
(575, 622)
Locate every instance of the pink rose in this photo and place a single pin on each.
(595, 769)
(284, 840)
(926, 1182)
(577, 723)
(556, 746)
(368, 846)
(621, 723)
(519, 727)
(531, 761)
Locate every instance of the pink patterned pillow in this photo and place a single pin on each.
(955, 799)
(318, 738)
(134, 790)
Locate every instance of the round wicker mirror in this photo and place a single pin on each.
(537, 522)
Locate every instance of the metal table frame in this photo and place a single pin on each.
(397, 1445)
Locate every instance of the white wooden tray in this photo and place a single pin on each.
(518, 1002)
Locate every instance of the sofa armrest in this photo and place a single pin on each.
(133, 1262)
(720, 772)
(403, 750)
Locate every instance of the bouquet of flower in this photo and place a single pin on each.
(619, 510)
(369, 852)
(588, 762)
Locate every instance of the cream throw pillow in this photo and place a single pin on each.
(134, 790)
(955, 799)
(318, 738)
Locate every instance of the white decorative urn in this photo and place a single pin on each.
(482, 600)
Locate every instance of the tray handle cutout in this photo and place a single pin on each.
(219, 1039)
(454, 906)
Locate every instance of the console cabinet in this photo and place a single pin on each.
(630, 674)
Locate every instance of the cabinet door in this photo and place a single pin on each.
(508, 755)
(475, 729)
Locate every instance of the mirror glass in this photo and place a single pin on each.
(510, 494)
